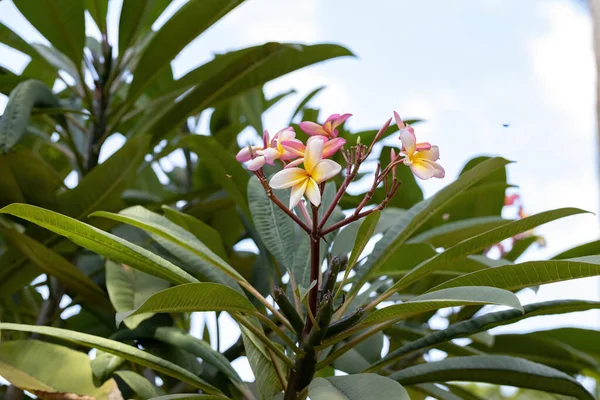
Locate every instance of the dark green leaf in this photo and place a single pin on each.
(356, 387)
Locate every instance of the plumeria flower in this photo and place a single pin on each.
(306, 181)
(420, 157)
(328, 129)
(330, 147)
(270, 151)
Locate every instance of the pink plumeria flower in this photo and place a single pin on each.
(306, 181)
(420, 157)
(328, 129)
(270, 151)
(330, 147)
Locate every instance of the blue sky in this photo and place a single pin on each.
(466, 67)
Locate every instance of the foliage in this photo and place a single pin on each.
(125, 256)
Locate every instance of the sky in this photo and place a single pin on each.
(467, 68)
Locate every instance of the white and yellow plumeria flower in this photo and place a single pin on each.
(306, 181)
(271, 150)
(420, 157)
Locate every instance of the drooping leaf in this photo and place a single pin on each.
(24, 97)
(457, 296)
(480, 242)
(127, 352)
(104, 365)
(129, 288)
(56, 265)
(205, 233)
(267, 369)
(527, 274)
(101, 242)
(418, 215)
(452, 233)
(139, 385)
(63, 24)
(356, 387)
(500, 370)
(20, 362)
(484, 323)
(192, 297)
(199, 261)
(587, 249)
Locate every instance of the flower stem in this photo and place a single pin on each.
(315, 263)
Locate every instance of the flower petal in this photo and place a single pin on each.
(312, 192)
(324, 170)
(270, 155)
(409, 141)
(287, 178)
(340, 120)
(437, 168)
(257, 163)
(245, 154)
(295, 163)
(312, 128)
(313, 154)
(423, 146)
(332, 146)
(294, 146)
(422, 169)
(399, 121)
(297, 193)
(432, 155)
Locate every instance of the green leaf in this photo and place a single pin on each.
(103, 186)
(129, 288)
(527, 274)
(56, 265)
(104, 365)
(15, 120)
(263, 366)
(459, 296)
(519, 247)
(480, 242)
(500, 370)
(365, 232)
(584, 340)
(198, 348)
(587, 249)
(545, 351)
(62, 23)
(454, 232)
(139, 384)
(225, 169)
(98, 10)
(11, 39)
(419, 214)
(188, 396)
(356, 387)
(236, 72)
(203, 232)
(485, 323)
(185, 25)
(26, 178)
(192, 297)
(137, 16)
(127, 352)
(42, 367)
(304, 102)
(200, 261)
(101, 242)
(275, 227)
(436, 392)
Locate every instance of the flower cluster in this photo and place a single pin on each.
(323, 144)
